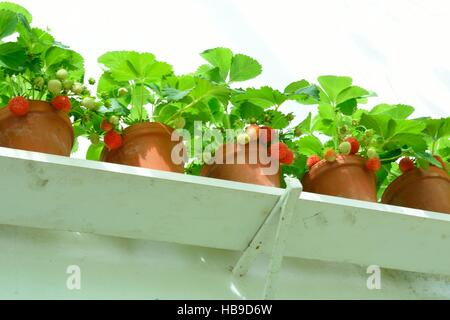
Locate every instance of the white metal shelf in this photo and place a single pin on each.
(57, 193)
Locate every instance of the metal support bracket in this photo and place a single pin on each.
(282, 211)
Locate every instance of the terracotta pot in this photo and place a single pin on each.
(146, 145)
(347, 178)
(43, 129)
(420, 189)
(253, 172)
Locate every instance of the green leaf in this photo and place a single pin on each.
(107, 84)
(173, 94)
(334, 85)
(16, 9)
(396, 112)
(405, 126)
(326, 111)
(295, 86)
(248, 110)
(437, 128)
(379, 123)
(8, 23)
(310, 145)
(94, 152)
(404, 140)
(348, 107)
(425, 156)
(264, 97)
(221, 58)
(278, 120)
(305, 125)
(352, 93)
(244, 68)
(12, 56)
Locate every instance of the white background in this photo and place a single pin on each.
(399, 49)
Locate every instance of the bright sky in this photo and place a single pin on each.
(399, 49)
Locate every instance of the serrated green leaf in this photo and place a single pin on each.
(278, 120)
(264, 97)
(221, 58)
(352, 93)
(305, 125)
(309, 145)
(8, 23)
(244, 68)
(12, 56)
(396, 112)
(379, 123)
(348, 107)
(404, 140)
(17, 9)
(334, 85)
(427, 157)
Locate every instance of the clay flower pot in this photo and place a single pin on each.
(146, 145)
(246, 172)
(44, 129)
(347, 177)
(420, 189)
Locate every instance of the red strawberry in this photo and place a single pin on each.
(330, 155)
(406, 164)
(373, 164)
(106, 126)
(266, 134)
(439, 159)
(279, 150)
(355, 145)
(113, 140)
(313, 160)
(289, 158)
(19, 106)
(253, 132)
(61, 103)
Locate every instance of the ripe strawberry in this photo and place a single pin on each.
(61, 103)
(113, 140)
(345, 147)
(313, 160)
(330, 155)
(106, 126)
(19, 106)
(266, 134)
(439, 159)
(253, 132)
(289, 158)
(406, 164)
(279, 150)
(355, 145)
(373, 164)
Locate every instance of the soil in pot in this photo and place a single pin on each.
(43, 129)
(420, 189)
(246, 171)
(146, 145)
(347, 177)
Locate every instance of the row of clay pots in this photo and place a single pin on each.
(149, 145)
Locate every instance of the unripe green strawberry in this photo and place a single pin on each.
(345, 147)
(91, 81)
(122, 92)
(330, 155)
(253, 120)
(114, 120)
(372, 153)
(62, 74)
(179, 123)
(67, 84)
(343, 130)
(243, 139)
(95, 138)
(55, 87)
(298, 132)
(77, 88)
(89, 103)
(107, 104)
(39, 82)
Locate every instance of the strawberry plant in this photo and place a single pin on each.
(34, 66)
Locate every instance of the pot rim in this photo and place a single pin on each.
(40, 106)
(143, 128)
(409, 177)
(208, 168)
(341, 160)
